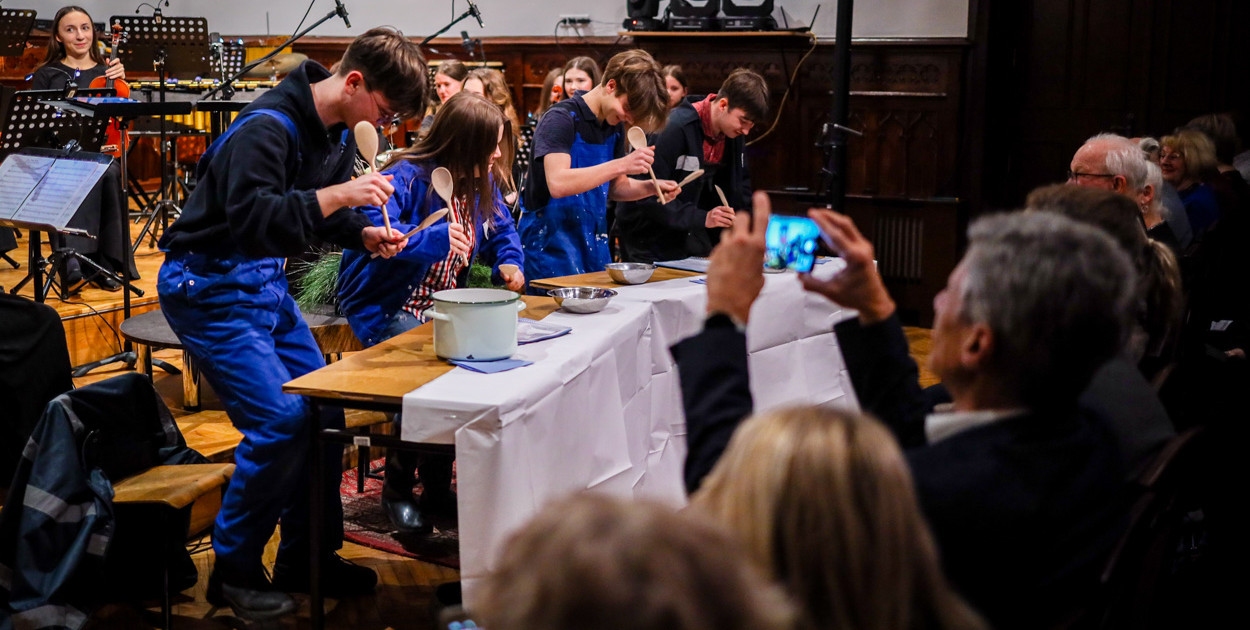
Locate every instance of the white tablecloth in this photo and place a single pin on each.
(601, 407)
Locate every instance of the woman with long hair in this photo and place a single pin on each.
(383, 297)
(449, 78)
(823, 500)
(75, 55)
(581, 74)
(74, 52)
(552, 92)
(490, 83)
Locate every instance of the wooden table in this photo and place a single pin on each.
(602, 280)
(375, 378)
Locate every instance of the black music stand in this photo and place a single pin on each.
(40, 191)
(175, 46)
(15, 27)
(30, 122)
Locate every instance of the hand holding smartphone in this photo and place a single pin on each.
(791, 243)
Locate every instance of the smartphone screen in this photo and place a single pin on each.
(791, 243)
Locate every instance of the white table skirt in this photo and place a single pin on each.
(601, 407)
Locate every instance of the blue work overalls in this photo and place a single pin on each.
(236, 319)
(570, 235)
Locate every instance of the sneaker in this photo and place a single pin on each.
(339, 578)
(250, 595)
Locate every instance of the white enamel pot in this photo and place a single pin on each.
(475, 324)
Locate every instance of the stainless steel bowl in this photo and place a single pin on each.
(630, 272)
(582, 299)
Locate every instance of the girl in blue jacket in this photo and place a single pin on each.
(383, 297)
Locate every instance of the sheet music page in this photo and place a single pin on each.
(18, 176)
(57, 197)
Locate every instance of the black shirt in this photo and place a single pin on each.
(258, 195)
(55, 75)
(556, 132)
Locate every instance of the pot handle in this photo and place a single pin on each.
(433, 314)
(520, 306)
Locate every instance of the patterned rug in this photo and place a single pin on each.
(365, 523)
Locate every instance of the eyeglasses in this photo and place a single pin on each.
(385, 115)
(1168, 157)
(1074, 176)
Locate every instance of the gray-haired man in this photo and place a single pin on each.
(1020, 486)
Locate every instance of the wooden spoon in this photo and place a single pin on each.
(723, 200)
(446, 188)
(367, 142)
(690, 178)
(638, 139)
(424, 224)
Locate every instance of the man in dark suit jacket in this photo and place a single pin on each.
(1023, 489)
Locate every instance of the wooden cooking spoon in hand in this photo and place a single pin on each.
(638, 139)
(367, 142)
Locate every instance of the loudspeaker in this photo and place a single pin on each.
(684, 8)
(748, 17)
(641, 15)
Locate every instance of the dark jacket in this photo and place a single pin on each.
(650, 231)
(258, 195)
(58, 523)
(1025, 509)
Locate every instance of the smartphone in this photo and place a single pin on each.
(791, 243)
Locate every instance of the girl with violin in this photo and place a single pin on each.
(383, 297)
(75, 54)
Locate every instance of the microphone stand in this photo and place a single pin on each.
(836, 130)
(227, 87)
(468, 13)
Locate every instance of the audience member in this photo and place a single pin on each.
(675, 81)
(1187, 157)
(1231, 189)
(1021, 488)
(580, 74)
(823, 501)
(1117, 164)
(1167, 197)
(707, 133)
(1160, 300)
(592, 562)
(579, 164)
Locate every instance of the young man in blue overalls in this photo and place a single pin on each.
(580, 162)
(263, 193)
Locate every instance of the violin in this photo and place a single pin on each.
(113, 134)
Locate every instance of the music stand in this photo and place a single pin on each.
(15, 27)
(175, 46)
(41, 191)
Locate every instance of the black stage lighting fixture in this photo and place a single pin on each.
(756, 15)
(641, 15)
(685, 15)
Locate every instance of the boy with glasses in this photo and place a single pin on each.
(263, 193)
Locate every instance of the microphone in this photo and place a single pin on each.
(342, 11)
(466, 42)
(476, 13)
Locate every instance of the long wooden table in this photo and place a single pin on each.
(602, 280)
(378, 377)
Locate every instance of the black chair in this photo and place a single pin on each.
(1135, 586)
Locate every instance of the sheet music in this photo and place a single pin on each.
(18, 176)
(50, 189)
